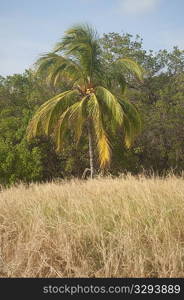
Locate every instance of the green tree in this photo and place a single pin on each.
(91, 103)
(20, 96)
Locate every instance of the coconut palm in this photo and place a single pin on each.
(90, 104)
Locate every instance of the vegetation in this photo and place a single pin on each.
(159, 99)
(116, 226)
(90, 102)
(123, 227)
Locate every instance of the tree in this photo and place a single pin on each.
(20, 96)
(90, 104)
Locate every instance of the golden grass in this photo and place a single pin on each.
(124, 227)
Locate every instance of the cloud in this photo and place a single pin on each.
(138, 6)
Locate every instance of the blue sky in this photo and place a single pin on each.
(30, 28)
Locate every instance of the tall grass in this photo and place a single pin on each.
(124, 227)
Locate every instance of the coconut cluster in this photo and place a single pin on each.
(89, 91)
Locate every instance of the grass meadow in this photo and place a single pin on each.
(105, 227)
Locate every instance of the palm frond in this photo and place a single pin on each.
(46, 61)
(56, 67)
(112, 104)
(103, 143)
(61, 129)
(72, 118)
(114, 79)
(130, 66)
(47, 115)
(132, 122)
(81, 42)
(81, 33)
(78, 117)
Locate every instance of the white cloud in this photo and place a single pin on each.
(138, 6)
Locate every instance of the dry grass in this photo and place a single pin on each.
(125, 227)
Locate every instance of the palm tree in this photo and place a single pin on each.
(91, 103)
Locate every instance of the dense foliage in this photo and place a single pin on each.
(160, 99)
(94, 105)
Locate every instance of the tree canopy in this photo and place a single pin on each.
(95, 99)
(159, 147)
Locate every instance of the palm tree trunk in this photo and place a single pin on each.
(91, 155)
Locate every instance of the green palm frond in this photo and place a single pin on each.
(72, 118)
(61, 129)
(57, 67)
(111, 103)
(116, 73)
(46, 61)
(47, 115)
(130, 66)
(67, 71)
(132, 122)
(114, 79)
(78, 116)
(81, 42)
(78, 37)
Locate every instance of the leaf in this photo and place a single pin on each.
(132, 121)
(47, 115)
(130, 66)
(111, 103)
(103, 143)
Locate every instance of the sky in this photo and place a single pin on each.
(31, 28)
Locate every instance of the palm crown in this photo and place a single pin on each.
(91, 102)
